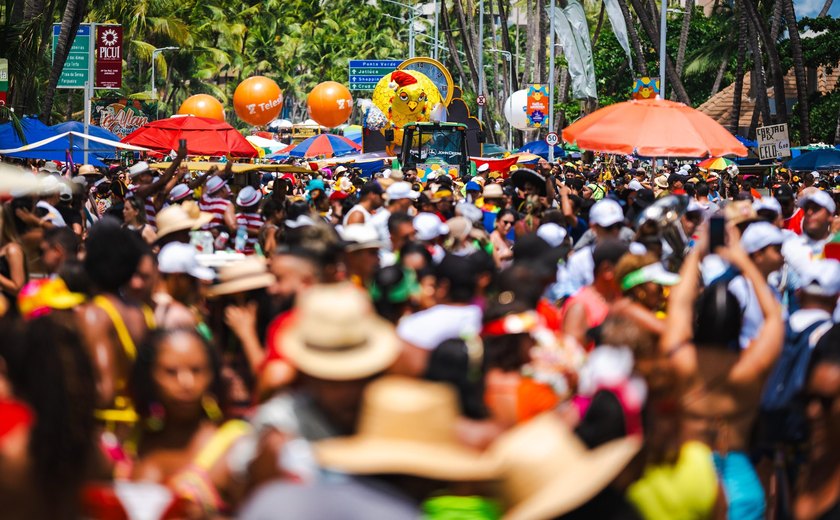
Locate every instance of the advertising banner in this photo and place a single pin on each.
(645, 88)
(108, 56)
(537, 107)
(122, 116)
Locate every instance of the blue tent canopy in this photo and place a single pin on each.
(541, 148)
(33, 131)
(101, 150)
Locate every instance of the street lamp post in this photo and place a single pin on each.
(411, 19)
(480, 57)
(509, 59)
(551, 80)
(154, 89)
(663, 30)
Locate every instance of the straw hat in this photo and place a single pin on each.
(338, 336)
(547, 471)
(214, 184)
(244, 275)
(661, 182)
(407, 426)
(739, 212)
(87, 169)
(176, 218)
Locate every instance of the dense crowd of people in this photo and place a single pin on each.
(594, 339)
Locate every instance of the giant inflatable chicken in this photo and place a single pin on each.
(402, 97)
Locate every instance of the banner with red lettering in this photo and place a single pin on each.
(122, 116)
(108, 56)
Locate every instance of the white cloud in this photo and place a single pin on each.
(812, 8)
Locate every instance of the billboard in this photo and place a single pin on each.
(122, 116)
(108, 56)
(537, 107)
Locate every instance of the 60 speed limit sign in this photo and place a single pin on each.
(552, 139)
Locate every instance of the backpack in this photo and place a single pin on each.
(782, 415)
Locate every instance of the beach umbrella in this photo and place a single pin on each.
(327, 145)
(715, 163)
(204, 137)
(653, 128)
(822, 159)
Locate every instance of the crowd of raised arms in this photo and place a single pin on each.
(603, 339)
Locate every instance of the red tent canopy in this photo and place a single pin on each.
(204, 137)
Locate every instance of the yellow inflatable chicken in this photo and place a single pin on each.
(405, 96)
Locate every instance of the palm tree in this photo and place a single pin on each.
(798, 71)
(686, 26)
(738, 90)
(641, 64)
(74, 11)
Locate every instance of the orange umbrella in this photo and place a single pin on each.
(653, 128)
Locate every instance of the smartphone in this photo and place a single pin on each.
(717, 230)
(182, 143)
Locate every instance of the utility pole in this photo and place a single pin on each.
(480, 57)
(663, 30)
(551, 39)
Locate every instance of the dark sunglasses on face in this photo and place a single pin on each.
(506, 222)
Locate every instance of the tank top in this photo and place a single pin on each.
(354, 209)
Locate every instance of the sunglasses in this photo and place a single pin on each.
(506, 222)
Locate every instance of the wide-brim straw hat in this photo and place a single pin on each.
(177, 218)
(547, 471)
(242, 276)
(407, 427)
(336, 335)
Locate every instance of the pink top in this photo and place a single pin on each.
(594, 304)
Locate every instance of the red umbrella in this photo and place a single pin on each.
(204, 137)
(653, 128)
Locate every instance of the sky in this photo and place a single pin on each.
(812, 8)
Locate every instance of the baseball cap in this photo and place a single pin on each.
(357, 237)
(783, 192)
(606, 212)
(820, 198)
(821, 278)
(552, 233)
(401, 190)
(472, 186)
(177, 257)
(767, 203)
(428, 226)
(655, 273)
(759, 235)
(137, 169)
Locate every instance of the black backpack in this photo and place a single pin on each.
(782, 415)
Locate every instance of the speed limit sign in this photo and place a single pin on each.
(481, 100)
(552, 139)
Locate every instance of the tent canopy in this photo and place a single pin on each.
(33, 130)
(56, 147)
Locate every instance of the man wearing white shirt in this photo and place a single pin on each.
(819, 208)
(606, 218)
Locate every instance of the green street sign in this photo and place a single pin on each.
(4, 75)
(77, 67)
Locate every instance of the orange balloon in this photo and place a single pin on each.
(258, 100)
(203, 105)
(330, 104)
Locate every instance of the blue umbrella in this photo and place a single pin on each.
(823, 159)
(541, 148)
(327, 145)
(746, 142)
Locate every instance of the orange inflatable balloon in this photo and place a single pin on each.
(258, 100)
(202, 105)
(330, 104)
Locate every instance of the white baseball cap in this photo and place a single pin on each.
(819, 197)
(759, 235)
(552, 233)
(768, 203)
(606, 212)
(360, 236)
(214, 184)
(177, 257)
(428, 227)
(247, 197)
(138, 168)
(401, 190)
(821, 278)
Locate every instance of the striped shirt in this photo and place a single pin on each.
(215, 205)
(149, 204)
(253, 222)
